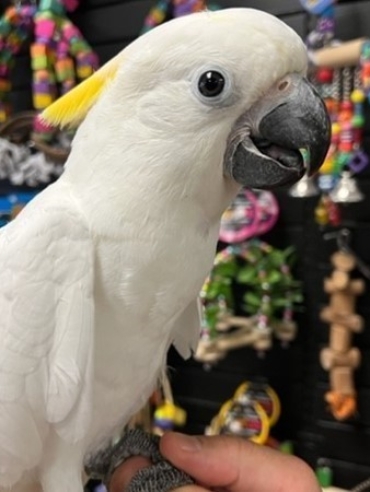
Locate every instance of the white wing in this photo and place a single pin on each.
(187, 329)
(46, 329)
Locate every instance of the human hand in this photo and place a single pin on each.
(226, 464)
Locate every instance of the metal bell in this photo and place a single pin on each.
(305, 188)
(346, 190)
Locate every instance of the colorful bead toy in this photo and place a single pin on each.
(324, 31)
(60, 56)
(365, 68)
(15, 27)
(344, 91)
(157, 15)
(166, 9)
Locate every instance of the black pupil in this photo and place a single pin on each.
(211, 84)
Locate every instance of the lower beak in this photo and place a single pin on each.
(281, 137)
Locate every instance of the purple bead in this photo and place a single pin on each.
(325, 25)
(184, 8)
(359, 162)
(41, 87)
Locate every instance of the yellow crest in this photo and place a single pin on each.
(71, 109)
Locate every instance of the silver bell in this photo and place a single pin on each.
(305, 188)
(346, 190)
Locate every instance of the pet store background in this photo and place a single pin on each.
(285, 356)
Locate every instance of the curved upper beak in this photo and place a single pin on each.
(284, 135)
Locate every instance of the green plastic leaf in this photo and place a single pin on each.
(279, 302)
(274, 277)
(298, 298)
(247, 275)
(227, 269)
(213, 291)
(252, 299)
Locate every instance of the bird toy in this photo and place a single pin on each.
(271, 294)
(323, 33)
(15, 27)
(345, 89)
(250, 413)
(340, 358)
(251, 214)
(166, 9)
(60, 56)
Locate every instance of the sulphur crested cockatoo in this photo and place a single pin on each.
(100, 273)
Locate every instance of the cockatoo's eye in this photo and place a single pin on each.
(213, 86)
(211, 83)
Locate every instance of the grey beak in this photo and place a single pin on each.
(268, 153)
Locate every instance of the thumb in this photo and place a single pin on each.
(237, 464)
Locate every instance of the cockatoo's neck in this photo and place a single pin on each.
(136, 175)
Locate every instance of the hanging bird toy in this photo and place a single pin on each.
(270, 294)
(166, 9)
(60, 56)
(345, 90)
(341, 358)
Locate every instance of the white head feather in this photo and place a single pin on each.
(150, 127)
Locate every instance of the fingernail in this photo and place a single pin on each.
(190, 444)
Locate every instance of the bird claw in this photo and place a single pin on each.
(134, 442)
(160, 477)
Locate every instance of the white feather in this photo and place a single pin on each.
(46, 329)
(187, 329)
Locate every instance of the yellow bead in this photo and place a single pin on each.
(357, 96)
(42, 101)
(328, 166)
(84, 72)
(335, 128)
(321, 215)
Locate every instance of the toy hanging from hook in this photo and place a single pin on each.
(340, 358)
(344, 89)
(270, 293)
(60, 56)
(166, 9)
(343, 238)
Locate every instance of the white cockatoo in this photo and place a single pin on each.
(101, 272)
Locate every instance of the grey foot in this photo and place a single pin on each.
(160, 477)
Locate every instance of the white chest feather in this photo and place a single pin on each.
(142, 286)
